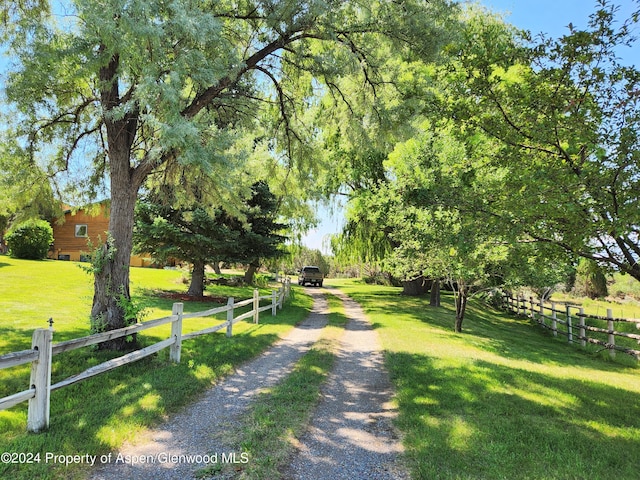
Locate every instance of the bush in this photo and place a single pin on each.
(30, 240)
(590, 280)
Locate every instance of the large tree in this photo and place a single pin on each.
(191, 234)
(261, 238)
(565, 114)
(202, 234)
(441, 181)
(121, 89)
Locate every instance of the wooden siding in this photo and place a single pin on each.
(65, 241)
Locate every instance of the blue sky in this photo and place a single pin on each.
(553, 16)
(550, 17)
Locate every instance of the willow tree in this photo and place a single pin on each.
(121, 89)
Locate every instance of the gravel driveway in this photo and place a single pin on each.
(350, 435)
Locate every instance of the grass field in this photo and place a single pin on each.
(501, 400)
(620, 308)
(95, 416)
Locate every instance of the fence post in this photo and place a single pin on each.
(230, 317)
(569, 326)
(39, 406)
(612, 337)
(282, 293)
(176, 332)
(274, 302)
(583, 332)
(256, 305)
(542, 312)
(533, 314)
(554, 319)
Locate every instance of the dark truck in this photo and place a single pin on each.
(310, 274)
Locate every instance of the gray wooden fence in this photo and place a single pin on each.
(42, 350)
(572, 321)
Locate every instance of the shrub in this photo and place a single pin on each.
(590, 280)
(30, 240)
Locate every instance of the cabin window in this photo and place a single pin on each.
(81, 231)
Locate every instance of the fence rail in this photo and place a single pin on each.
(548, 315)
(42, 350)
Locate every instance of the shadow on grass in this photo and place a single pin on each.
(484, 420)
(95, 416)
(494, 331)
(86, 416)
(500, 400)
(16, 379)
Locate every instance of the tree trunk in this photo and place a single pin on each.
(250, 273)
(462, 296)
(434, 299)
(111, 267)
(196, 288)
(111, 279)
(415, 287)
(216, 268)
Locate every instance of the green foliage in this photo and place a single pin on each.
(299, 256)
(186, 234)
(519, 160)
(30, 240)
(590, 280)
(100, 255)
(563, 116)
(207, 234)
(262, 238)
(133, 311)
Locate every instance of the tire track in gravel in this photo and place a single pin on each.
(351, 435)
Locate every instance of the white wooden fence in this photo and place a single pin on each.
(42, 350)
(575, 324)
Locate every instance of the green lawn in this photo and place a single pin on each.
(628, 308)
(501, 400)
(97, 415)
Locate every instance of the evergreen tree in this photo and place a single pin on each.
(190, 234)
(201, 235)
(261, 240)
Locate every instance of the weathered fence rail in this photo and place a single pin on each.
(43, 350)
(575, 323)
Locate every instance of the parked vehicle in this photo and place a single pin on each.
(310, 274)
